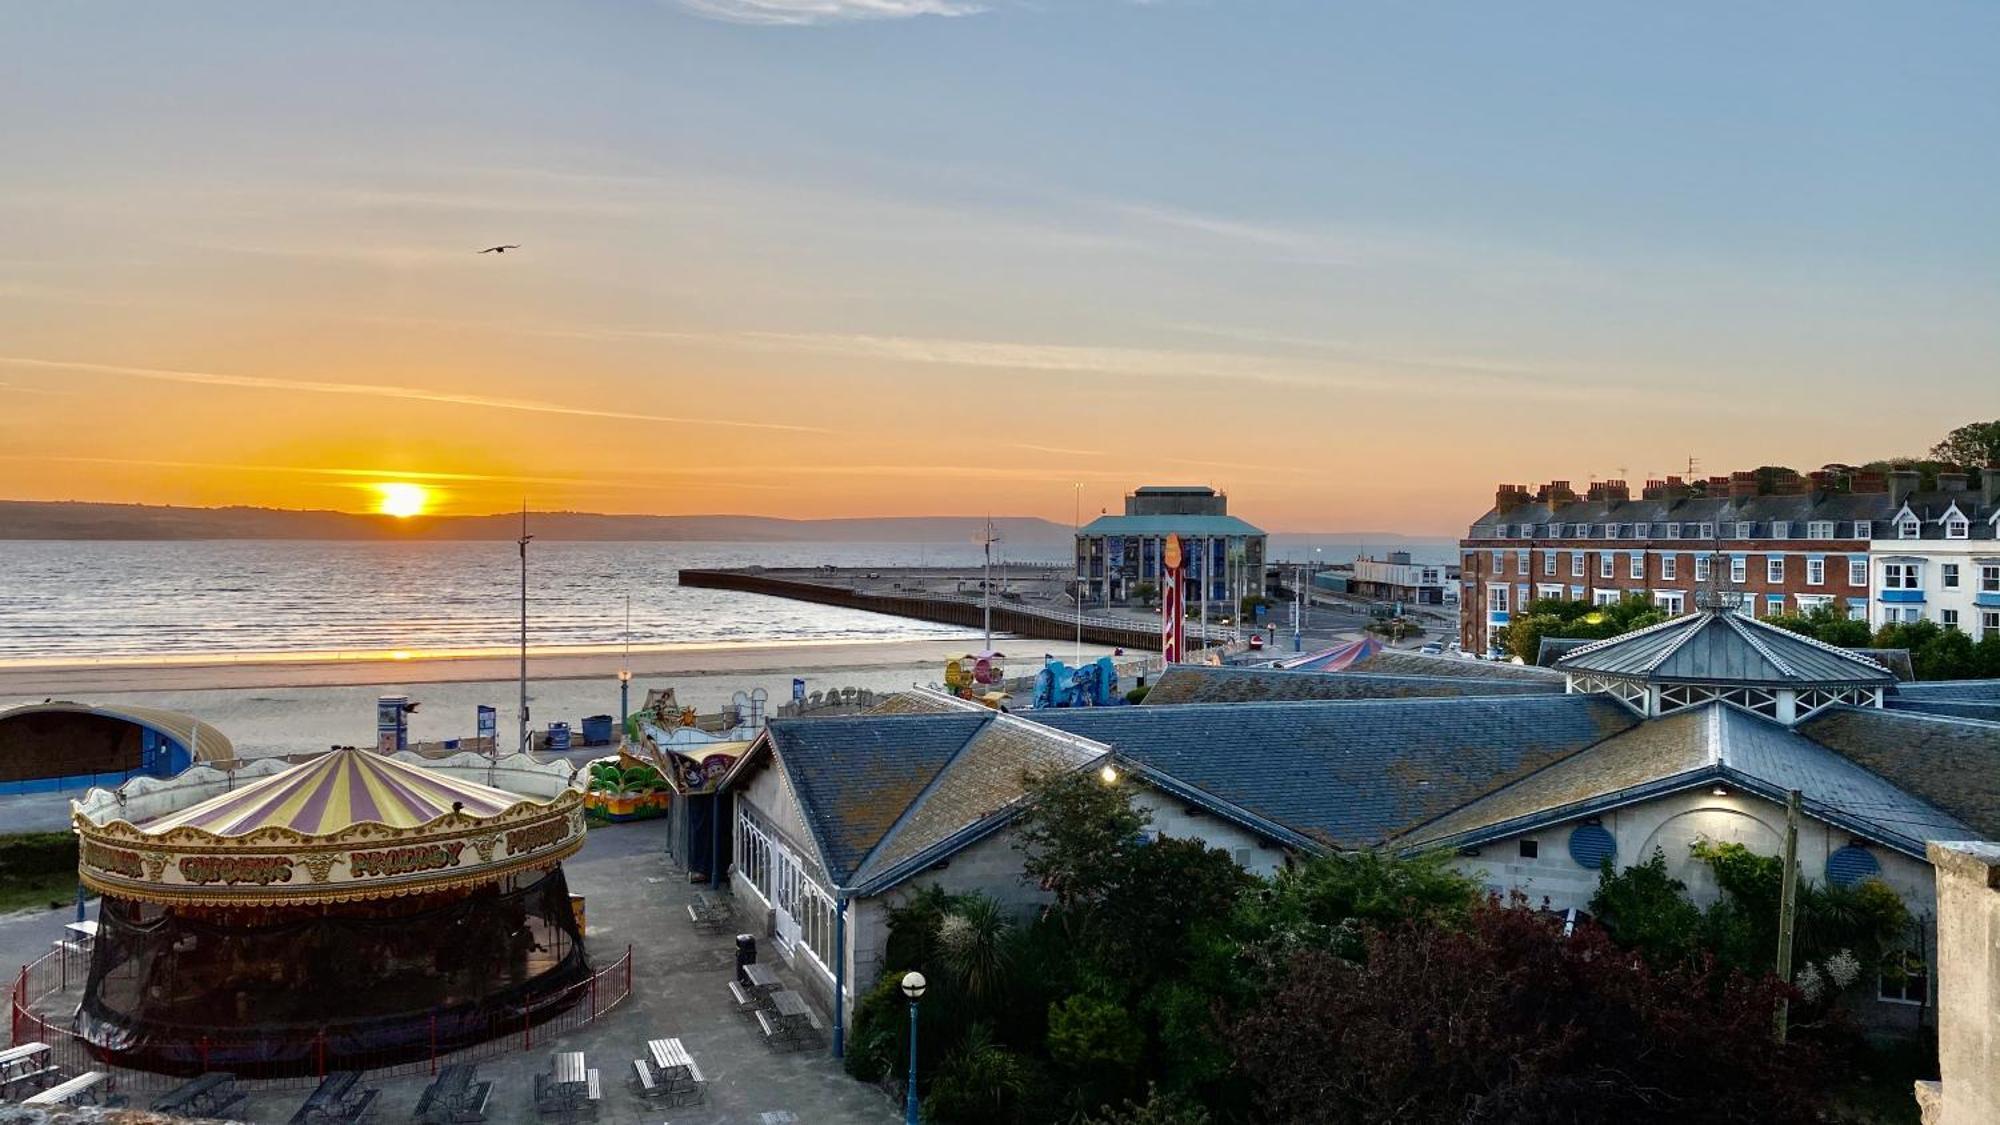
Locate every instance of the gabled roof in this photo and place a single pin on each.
(886, 795)
(1346, 774)
(1952, 763)
(1398, 662)
(1197, 683)
(1713, 743)
(1724, 647)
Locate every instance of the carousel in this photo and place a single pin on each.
(351, 911)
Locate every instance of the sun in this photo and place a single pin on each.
(402, 500)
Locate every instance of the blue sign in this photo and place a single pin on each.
(489, 722)
(798, 690)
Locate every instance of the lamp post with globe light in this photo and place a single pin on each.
(913, 987)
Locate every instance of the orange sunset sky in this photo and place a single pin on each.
(1354, 267)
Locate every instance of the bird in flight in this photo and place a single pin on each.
(499, 249)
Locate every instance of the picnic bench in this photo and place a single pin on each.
(335, 1100)
(753, 992)
(455, 1095)
(570, 1089)
(81, 1090)
(787, 1022)
(709, 911)
(672, 1073)
(25, 1066)
(210, 1095)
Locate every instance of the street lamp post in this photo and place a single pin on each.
(913, 987)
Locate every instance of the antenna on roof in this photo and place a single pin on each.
(1719, 592)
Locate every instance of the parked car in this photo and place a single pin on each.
(1432, 649)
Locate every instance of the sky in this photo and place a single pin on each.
(1353, 263)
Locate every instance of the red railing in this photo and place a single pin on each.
(65, 968)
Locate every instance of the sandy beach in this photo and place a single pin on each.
(300, 706)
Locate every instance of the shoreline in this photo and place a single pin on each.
(214, 672)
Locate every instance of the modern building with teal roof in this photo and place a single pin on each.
(1224, 555)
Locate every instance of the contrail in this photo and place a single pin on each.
(382, 390)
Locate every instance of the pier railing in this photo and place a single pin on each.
(1020, 620)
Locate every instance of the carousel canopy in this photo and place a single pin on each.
(337, 790)
(349, 824)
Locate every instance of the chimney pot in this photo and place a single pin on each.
(1902, 482)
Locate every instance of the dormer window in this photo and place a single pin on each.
(1909, 528)
(1742, 529)
(1864, 529)
(1819, 529)
(1705, 531)
(1673, 531)
(1956, 526)
(1641, 530)
(1611, 531)
(1579, 531)
(1781, 529)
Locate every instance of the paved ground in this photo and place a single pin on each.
(680, 988)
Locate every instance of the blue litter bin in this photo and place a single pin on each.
(597, 730)
(558, 737)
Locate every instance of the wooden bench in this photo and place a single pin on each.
(66, 1093)
(679, 1075)
(747, 999)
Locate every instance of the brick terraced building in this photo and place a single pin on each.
(1791, 543)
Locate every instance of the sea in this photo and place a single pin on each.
(86, 600)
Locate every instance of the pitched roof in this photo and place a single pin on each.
(1721, 646)
(1398, 662)
(887, 794)
(1347, 774)
(1952, 763)
(1699, 746)
(1197, 683)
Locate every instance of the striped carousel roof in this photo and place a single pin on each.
(338, 789)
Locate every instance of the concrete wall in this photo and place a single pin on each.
(1968, 895)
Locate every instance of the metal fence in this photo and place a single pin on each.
(66, 967)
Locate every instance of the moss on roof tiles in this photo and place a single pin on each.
(1194, 683)
(1952, 763)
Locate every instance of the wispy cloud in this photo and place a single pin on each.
(1055, 449)
(314, 471)
(796, 13)
(381, 390)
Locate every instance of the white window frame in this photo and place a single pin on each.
(1701, 568)
(1576, 564)
(1948, 576)
(1548, 563)
(1607, 565)
(1744, 528)
(1641, 530)
(1864, 529)
(1857, 572)
(1815, 572)
(1739, 568)
(1902, 576)
(1781, 529)
(1774, 568)
(1989, 621)
(1673, 531)
(1579, 531)
(1637, 568)
(1705, 531)
(1989, 578)
(1611, 531)
(1669, 568)
(1605, 597)
(1819, 529)
(1948, 618)
(1673, 601)
(1497, 598)
(1911, 528)
(1957, 527)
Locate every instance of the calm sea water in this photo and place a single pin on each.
(81, 600)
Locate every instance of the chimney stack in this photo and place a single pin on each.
(1561, 493)
(1617, 490)
(1509, 496)
(1952, 482)
(1868, 481)
(1822, 481)
(1787, 483)
(1742, 485)
(1902, 482)
(1718, 487)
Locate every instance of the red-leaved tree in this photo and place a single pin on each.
(1506, 1019)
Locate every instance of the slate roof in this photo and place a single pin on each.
(1796, 509)
(1984, 691)
(1932, 507)
(1345, 774)
(203, 740)
(1184, 525)
(1952, 763)
(886, 794)
(1721, 646)
(1701, 746)
(1196, 683)
(1397, 662)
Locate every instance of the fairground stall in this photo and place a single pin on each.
(352, 911)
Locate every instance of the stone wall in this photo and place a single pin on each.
(1968, 896)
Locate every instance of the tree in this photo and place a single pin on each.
(1079, 835)
(1644, 908)
(1145, 592)
(1936, 652)
(1974, 445)
(1507, 1019)
(1328, 901)
(1823, 624)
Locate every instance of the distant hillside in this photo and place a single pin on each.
(22, 519)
